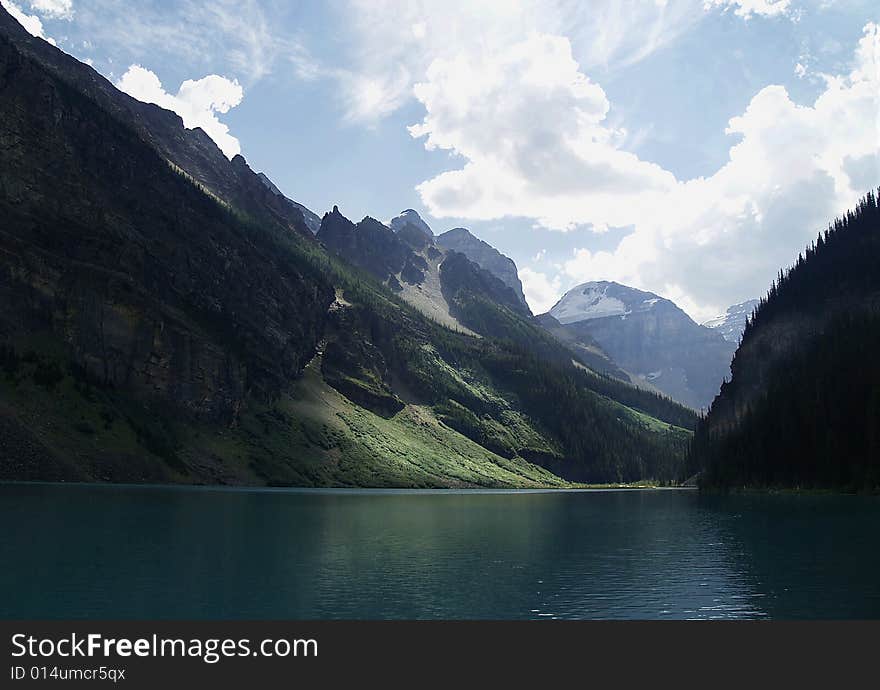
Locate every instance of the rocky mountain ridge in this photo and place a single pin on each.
(648, 336)
(165, 316)
(486, 256)
(312, 219)
(409, 259)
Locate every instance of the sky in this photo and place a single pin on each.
(687, 147)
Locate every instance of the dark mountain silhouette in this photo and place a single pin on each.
(802, 408)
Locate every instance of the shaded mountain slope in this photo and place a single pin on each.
(191, 150)
(154, 327)
(486, 257)
(371, 246)
(180, 299)
(587, 350)
(312, 219)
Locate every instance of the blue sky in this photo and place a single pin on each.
(686, 147)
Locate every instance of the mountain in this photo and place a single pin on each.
(371, 246)
(802, 408)
(188, 150)
(438, 282)
(586, 350)
(312, 219)
(486, 256)
(166, 317)
(732, 323)
(649, 336)
(409, 217)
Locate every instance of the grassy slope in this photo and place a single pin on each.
(315, 436)
(57, 427)
(312, 436)
(90, 432)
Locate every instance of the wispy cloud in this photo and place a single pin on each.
(389, 45)
(750, 8)
(233, 36)
(56, 9)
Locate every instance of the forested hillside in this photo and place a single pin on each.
(166, 317)
(803, 406)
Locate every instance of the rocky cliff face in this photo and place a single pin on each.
(179, 300)
(463, 279)
(586, 349)
(486, 256)
(650, 337)
(371, 246)
(411, 218)
(436, 280)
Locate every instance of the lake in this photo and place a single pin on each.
(76, 551)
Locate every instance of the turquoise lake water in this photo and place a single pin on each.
(87, 551)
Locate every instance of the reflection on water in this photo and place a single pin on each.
(127, 552)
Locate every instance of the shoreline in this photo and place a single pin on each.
(352, 490)
(788, 491)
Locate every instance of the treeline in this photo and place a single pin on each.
(600, 441)
(841, 261)
(810, 415)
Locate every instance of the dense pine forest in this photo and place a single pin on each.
(802, 409)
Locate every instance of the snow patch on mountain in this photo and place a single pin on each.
(600, 299)
(587, 301)
(731, 324)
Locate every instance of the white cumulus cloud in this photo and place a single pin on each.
(541, 290)
(30, 22)
(198, 101)
(531, 131)
(389, 44)
(532, 128)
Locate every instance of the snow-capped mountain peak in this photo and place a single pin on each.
(731, 324)
(600, 299)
